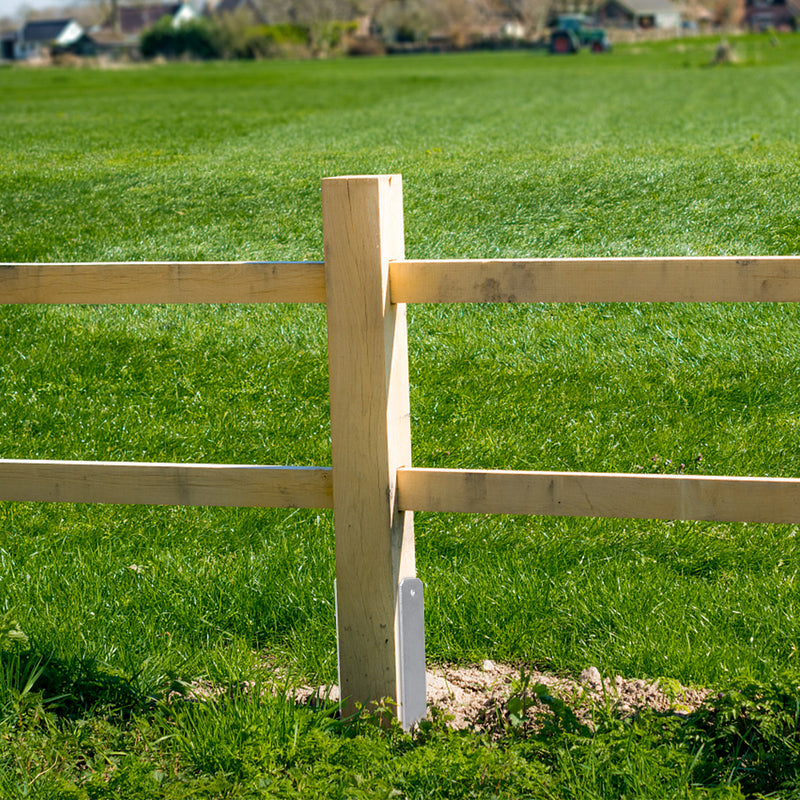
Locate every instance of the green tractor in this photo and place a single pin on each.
(572, 32)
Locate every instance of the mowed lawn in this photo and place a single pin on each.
(647, 151)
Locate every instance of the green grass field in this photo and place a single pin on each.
(645, 151)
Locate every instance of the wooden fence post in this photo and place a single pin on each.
(362, 219)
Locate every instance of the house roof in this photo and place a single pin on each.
(133, 19)
(639, 7)
(43, 30)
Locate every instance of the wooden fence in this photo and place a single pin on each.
(372, 486)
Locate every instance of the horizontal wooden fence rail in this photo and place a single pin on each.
(607, 494)
(151, 483)
(164, 282)
(598, 280)
(601, 280)
(366, 282)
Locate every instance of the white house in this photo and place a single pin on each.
(37, 39)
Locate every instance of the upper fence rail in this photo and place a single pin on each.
(163, 282)
(765, 279)
(597, 280)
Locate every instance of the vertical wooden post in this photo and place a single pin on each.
(362, 219)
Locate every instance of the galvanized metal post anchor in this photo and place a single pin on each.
(413, 689)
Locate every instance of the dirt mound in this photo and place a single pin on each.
(489, 696)
(479, 696)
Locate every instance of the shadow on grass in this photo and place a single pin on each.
(31, 679)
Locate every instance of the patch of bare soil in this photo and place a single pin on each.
(478, 697)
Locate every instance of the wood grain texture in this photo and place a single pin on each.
(370, 428)
(598, 280)
(165, 484)
(588, 494)
(163, 282)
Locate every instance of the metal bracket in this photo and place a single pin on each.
(413, 705)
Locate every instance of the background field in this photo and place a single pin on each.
(644, 152)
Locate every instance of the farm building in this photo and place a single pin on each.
(42, 38)
(662, 14)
